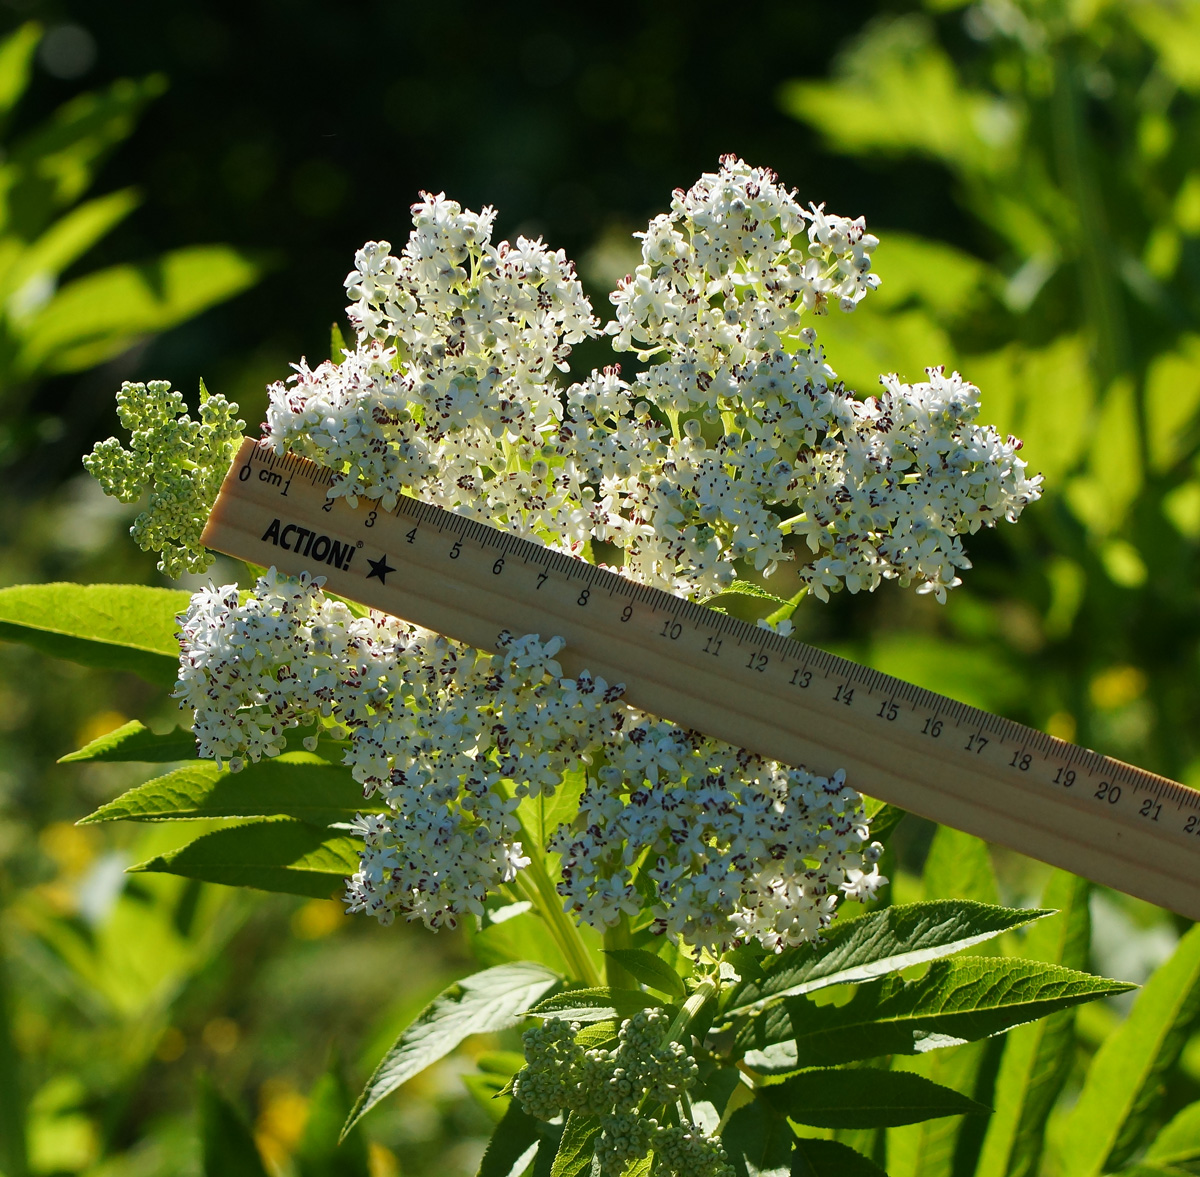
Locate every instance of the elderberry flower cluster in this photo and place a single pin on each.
(771, 443)
(450, 391)
(619, 1085)
(735, 847)
(736, 448)
(451, 740)
(180, 462)
(448, 738)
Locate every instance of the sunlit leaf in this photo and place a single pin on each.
(1123, 1086)
(16, 61)
(1173, 403)
(957, 1000)
(1038, 1057)
(494, 999)
(577, 1147)
(1179, 1141)
(134, 741)
(293, 784)
(959, 866)
(881, 942)
(522, 936)
(594, 1005)
(113, 626)
(649, 969)
(285, 855)
(898, 92)
(540, 816)
(68, 239)
(55, 164)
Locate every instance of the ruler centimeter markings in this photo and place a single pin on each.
(1004, 782)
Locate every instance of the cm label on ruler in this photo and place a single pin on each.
(706, 670)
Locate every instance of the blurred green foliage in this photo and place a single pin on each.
(1033, 169)
(46, 226)
(1069, 135)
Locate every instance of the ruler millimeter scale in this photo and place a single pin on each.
(1002, 781)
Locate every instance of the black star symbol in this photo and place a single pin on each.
(380, 568)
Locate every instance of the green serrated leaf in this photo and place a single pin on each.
(959, 1000)
(134, 741)
(512, 1146)
(828, 1158)
(293, 784)
(1038, 1057)
(865, 1098)
(1123, 1086)
(111, 626)
(745, 588)
(881, 942)
(226, 1143)
(595, 1005)
(274, 855)
(598, 1035)
(494, 999)
(577, 1146)
(649, 969)
(941, 1148)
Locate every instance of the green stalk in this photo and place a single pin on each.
(694, 1004)
(547, 903)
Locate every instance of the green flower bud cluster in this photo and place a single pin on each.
(180, 462)
(618, 1085)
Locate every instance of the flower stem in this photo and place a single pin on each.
(694, 1004)
(546, 902)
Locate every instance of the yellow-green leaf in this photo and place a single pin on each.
(113, 626)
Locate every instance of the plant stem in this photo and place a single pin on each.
(694, 1004)
(546, 902)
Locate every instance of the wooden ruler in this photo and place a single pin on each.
(955, 764)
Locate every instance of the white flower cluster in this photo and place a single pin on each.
(734, 847)
(772, 444)
(180, 462)
(434, 728)
(615, 1085)
(726, 274)
(452, 739)
(450, 391)
(735, 443)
